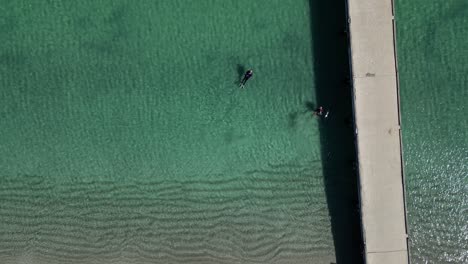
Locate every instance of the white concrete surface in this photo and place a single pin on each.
(376, 109)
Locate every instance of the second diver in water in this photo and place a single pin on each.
(246, 77)
(320, 112)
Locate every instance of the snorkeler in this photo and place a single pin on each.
(246, 77)
(320, 112)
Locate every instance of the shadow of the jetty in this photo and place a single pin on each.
(331, 71)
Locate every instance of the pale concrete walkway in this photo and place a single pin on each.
(378, 138)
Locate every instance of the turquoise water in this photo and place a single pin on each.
(433, 66)
(125, 137)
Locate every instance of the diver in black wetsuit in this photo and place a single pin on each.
(247, 76)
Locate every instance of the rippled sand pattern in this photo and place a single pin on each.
(251, 219)
(433, 63)
(125, 137)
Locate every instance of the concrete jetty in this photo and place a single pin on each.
(378, 137)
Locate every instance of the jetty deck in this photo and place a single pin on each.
(378, 137)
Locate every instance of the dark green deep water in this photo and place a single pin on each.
(433, 66)
(124, 137)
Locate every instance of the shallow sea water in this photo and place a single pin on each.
(433, 67)
(125, 137)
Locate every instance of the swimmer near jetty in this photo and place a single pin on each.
(320, 112)
(247, 75)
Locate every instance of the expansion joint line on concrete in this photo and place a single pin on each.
(386, 251)
(373, 75)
